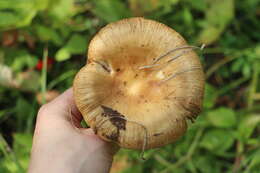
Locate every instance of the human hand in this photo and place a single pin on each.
(61, 145)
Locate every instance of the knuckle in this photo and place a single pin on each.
(43, 111)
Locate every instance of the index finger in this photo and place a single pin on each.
(62, 107)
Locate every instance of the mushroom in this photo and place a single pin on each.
(141, 84)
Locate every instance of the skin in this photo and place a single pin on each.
(61, 145)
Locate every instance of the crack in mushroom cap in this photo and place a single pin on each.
(112, 84)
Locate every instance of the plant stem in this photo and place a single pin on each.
(238, 159)
(61, 78)
(253, 85)
(162, 160)
(182, 160)
(44, 74)
(212, 50)
(232, 85)
(30, 119)
(217, 65)
(193, 168)
(191, 149)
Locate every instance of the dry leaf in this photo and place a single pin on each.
(49, 96)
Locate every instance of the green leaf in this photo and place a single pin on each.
(247, 125)
(246, 70)
(62, 54)
(61, 9)
(200, 5)
(253, 141)
(22, 107)
(255, 162)
(77, 44)
(22, 140)
(218, 16)
(206, 164)
(42, 4)
(142, 7)
(209, 34)
(110, 11)
(222, 117)
(210, 96)
(23, 60)
(2, 168)
(187, 16)
(19, 13)
(201, 121)
(217, 140)
(48, 34)
(237, 65)
(10, 166)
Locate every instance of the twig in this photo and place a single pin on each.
(162, 160)
(232, 85)
(217, 65)
(44, 74)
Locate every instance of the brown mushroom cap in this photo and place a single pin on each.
(129, 94)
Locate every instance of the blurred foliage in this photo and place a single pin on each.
(225, 137)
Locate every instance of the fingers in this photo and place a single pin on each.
(110, 148)
(62, 107)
